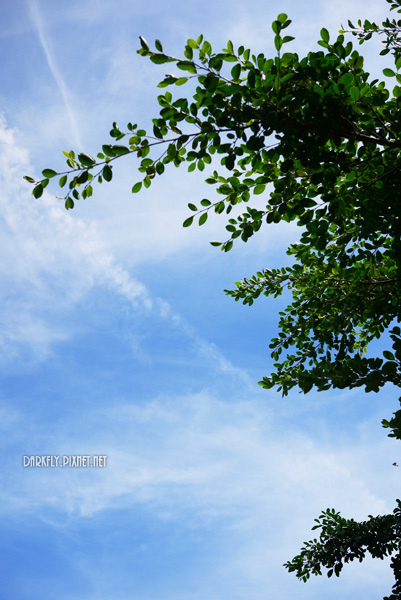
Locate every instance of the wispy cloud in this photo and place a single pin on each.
(52, 259)
(37, 21)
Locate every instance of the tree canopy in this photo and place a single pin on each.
(316, 141)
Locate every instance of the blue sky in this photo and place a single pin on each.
(116, 339)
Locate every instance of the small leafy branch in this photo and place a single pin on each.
(344, 540)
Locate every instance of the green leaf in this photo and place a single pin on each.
(230, 58)
(62, 181)
(251, 79)
(347, 79)
(107, 173)
(354, 93)
(69, 203)
(324, 34)
(211, 83)
(206, 48)
(158, 45)
(282, 17)
(396, 91)
(38, 190)
(278, 42)
(86, 159)
(160, 59)
(167, 81)
(187, 65)
(48, 173)
(28, 179)
(137, 187)
(108, 150)
(144, 43)
(276, 26)
(259, 189)
(120, 150)
(188, 222)
(83, 177)
(236, 72)
(203, 218)
(159, 168)
(388, 73)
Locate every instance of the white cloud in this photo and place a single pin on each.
(51, 259)
(215, 459)
(210, 465)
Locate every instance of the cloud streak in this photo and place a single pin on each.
(40, 30)
(51, 260)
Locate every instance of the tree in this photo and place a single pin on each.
(319, 141)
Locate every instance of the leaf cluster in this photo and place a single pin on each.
(343, 540)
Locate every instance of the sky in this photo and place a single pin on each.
(117, 340)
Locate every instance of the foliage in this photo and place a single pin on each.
(306, 139)
(343, 540)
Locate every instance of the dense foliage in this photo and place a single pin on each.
(308, 139)
(343, 540)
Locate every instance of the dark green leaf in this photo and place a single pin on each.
(144, 43)
(236, 72)
(37, 190)
(160, 59)
(107, 173)
(86, 159)
(48, 173)
(108, 150)
(186, 65)
(120, 150)
(188, 222)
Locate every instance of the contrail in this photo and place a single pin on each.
(38, 24)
